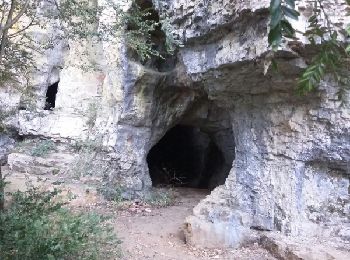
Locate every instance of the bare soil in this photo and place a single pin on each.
(156, 233)
(146, 232)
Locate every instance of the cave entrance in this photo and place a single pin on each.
(51, 96)
(188, 157)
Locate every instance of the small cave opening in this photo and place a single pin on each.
(51, 93)
(187, 156)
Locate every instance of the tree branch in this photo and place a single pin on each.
(22, 30)
(3, 13)
(4, 31)
(19, 15)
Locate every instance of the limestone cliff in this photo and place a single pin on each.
(289, 155)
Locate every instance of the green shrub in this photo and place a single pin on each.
(43, 148)
(35, 147)
(37, 227)
(118, 197)
(114, 194)
(161, 198)
(23, 146)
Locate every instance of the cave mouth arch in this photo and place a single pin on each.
(187, 156)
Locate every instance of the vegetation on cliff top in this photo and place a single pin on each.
(29, 27)
(85, 19)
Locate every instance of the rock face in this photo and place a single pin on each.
(6, 143)
(292, 154)
(291, 171)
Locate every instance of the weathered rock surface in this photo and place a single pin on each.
(52, 164)
(282, 247)
(292, 154)
(6, 143)
(291, 171)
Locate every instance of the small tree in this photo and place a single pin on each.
(13, 54)
(76, 20)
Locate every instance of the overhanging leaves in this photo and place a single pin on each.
(332, 56)
(279, 25)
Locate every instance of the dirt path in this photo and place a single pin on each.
(157, 233)
(146, 232)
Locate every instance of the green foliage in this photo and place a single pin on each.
(139, 33)
(36, 226)
(74, 20)
(19, 44)
(279, 25)
(34, 147)
(118, 195)
(156, 197)
(16, 45)
(3, 116)
(139, 22)
(2, 186)
(161, 198)
(24, 146)
(332, 55)
(171, 44)
(328, 60)
(42, 148)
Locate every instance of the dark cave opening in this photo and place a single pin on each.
(51, 96)
(188, 157)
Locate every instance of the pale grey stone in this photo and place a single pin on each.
(291, 154)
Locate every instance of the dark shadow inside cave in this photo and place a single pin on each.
(51, 96)
(188, 157)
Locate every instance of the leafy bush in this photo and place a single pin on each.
(34, 147)
(23, 146)
(36, 226)
(156, 197)
(42, 148)
(118, 196)
(161, 198)
(113, 193)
